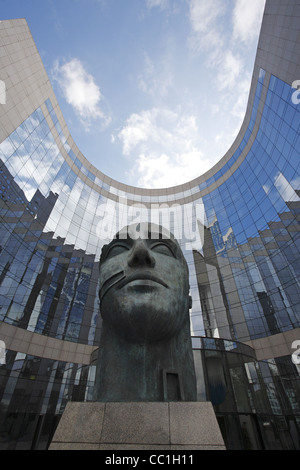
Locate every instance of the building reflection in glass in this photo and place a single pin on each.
(244, 278)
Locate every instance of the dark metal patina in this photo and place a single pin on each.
(145, 352)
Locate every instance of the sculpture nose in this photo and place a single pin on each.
(141, 256)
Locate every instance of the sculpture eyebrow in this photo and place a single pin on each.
(128, 242)
(166, 241)
(116, 241)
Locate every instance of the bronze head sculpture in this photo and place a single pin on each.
(145, 352)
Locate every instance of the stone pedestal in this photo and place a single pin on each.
(138, 426)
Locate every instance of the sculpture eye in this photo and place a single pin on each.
(163, 249)
(116, 250)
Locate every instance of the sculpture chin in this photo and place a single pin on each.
(143, 322)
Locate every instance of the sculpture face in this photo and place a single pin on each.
(144, 286)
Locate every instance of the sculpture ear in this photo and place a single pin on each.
(190, 302)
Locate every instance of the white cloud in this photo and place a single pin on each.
(137, 129)
(223, 47)
(156, 78)
(285, 188)
(247, 17)
(160, 128)
(227, 49)
(80, 91)
(162, 4)
(164, 171)
(204, 17)
(164, 146)
(241, 96)
(231, 70)
(33, 171)
(208, 36)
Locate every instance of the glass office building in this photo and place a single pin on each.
(238, 225)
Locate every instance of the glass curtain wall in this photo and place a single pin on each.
(56, 214)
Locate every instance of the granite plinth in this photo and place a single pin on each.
(138, 426)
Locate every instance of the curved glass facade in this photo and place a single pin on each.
(238, 226)
(255, 403)
(243, 250)
(253, 229)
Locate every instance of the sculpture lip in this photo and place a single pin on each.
(141, 276)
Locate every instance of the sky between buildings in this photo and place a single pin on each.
(154, 92)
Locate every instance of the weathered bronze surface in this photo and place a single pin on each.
(145, 352)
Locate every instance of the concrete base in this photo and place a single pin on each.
(138, 426)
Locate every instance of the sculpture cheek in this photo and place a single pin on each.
(110, 281)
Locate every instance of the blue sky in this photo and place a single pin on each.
(153, 91)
